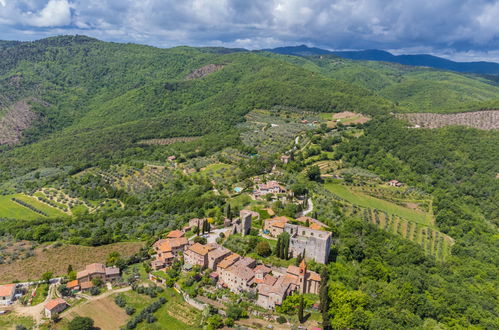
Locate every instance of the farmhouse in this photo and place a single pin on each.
(7, 293)
(167, 250)
(98, 270)
(55, 306)
(314, 244)
(271, 187)
(275, 226)
(394, 183)
(73, 285)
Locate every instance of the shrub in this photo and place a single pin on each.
(281, 319)
(129, 310)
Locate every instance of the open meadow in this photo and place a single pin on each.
(11, 209)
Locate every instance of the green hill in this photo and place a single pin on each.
(414, 89)
(97, 98)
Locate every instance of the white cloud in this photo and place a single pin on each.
(55, 13)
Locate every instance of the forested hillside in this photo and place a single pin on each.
(412, 89)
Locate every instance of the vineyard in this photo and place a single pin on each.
(411, 224)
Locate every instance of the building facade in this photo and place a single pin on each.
(316, 244)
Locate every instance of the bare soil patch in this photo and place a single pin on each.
(14, 121)
(57, 260)
(486, 120)
(204, 71)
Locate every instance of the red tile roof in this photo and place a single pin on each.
(72, 284)
(175, 234)
(7, 290)
(54, 303)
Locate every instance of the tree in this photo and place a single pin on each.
(70, 268)
(301, 307)
(200, 240)
(47, 276)
(314, 173)
(278, 247)
(263, 249)
(285, 254)
(235, 312)
(228, 212)
(97, 281)
(324, 298)
(81, 323)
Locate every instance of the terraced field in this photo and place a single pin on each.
(412, 224)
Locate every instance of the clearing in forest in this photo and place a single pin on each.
(105, 313)
(345, 118)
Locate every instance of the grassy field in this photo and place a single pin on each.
(364, 200)
(10, 321)
(175, 314)
(78, 256)
(11, 209)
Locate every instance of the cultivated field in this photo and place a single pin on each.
(168, 141)
(57, 259)
(345, 118)
(487, 120)
(12, 209)
(364, 200)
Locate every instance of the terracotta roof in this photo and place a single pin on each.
(241, 271)
(112, 271)
(177, 242)
(81, 274)
(262, 268)
(95, 268)
(229, 260)
(7, 290)
(315, 226)
(175, 234)
(281, 218)
(86, 285)
(294, 270)
(72, 284)
(218, 252)
(199, 249)
(314, 276)
(54, 303)
(166, 255)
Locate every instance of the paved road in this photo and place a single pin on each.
(213, 235)
(309, 209)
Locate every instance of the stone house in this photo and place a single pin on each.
(97, 270)
(55, 306)
(238, 277)
(7, 294)
(275, 226)
(175, 234)
(216, 256)
(243, 224)
(271, 187)
(227, 262)
(394, 183)
(197, 254)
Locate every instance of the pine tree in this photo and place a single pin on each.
(300, 310)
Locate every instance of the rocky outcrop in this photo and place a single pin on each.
(487, 119)
(204, 71)
(14, 120)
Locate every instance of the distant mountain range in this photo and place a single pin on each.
(381, 55)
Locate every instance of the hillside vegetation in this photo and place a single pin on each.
(413, 89)
(479, 119)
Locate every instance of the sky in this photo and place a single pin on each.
(462, 30)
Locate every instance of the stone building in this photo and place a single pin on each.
(55, 306)
(98, 270)
(315, 243)
(197, 254)
(243, 224)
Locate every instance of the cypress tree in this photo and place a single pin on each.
(286, 247)
(300, 310)
(228, 214)
(324, 298)
(278, 247)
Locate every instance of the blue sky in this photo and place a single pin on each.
(462, 30)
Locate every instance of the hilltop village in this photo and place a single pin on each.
(243, 274)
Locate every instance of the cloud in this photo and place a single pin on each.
(450, 26)
(55, 13)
